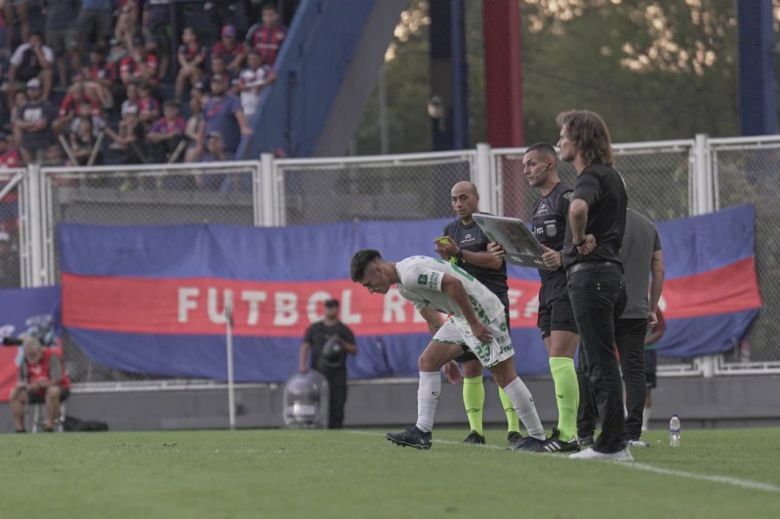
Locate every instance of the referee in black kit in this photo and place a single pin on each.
(597, 221)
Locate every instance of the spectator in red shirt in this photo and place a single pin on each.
(42, 380)
(9, 156)
(166, 134)
(70, 103)
(267, 36)
(192, 56)
(139, 63)
(99, 78)
(232, 51)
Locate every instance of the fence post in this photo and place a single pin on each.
(703, 186)
(37, 275)
(485, 180)
(266, 207)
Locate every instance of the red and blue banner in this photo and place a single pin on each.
(150, 299)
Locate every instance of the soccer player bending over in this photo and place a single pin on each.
(476, 322)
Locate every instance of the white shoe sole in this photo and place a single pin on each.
(590, 454)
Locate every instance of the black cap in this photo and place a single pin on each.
(332, 303)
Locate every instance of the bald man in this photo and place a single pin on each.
(466, 247)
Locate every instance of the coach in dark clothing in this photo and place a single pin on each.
(330, 341)
(597, 220)
(643, 260)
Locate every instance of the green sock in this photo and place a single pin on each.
(474, 400)
(567, 395)
(512, 421)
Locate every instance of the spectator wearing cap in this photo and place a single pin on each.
(192, 57)
(129, 137)
(268, 35)
(35, 123)
(231, 50)
(166, 134)
(9, 156)
(61, 36)
(31, 59)
(329, 341)
(252, 81)
(94, 22)
(223, 114)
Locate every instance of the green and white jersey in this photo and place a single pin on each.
(420, 282)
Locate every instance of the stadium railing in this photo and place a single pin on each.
(667, 179)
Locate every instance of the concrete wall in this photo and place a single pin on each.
(719, 402)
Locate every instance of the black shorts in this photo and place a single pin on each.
(555, 311)
(37, 398)
(651, 360)
(466, 356)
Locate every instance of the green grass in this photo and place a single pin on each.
(322, 474)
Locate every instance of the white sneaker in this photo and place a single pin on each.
(637, 443)
(590, 454)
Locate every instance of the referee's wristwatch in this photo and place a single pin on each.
(580, 243)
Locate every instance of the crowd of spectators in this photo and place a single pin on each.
(94, 82)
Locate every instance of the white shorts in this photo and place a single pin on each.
(458, 331)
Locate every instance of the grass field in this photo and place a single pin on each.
(358, 474)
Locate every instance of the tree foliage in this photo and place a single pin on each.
(654, 69)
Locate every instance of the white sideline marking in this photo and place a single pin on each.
(726, 480)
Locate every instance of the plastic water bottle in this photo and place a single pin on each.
(674, 431)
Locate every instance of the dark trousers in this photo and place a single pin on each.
(337, 381)
(598, 297)
(630, 340)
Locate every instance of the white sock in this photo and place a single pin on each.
(646, 417)
(524, 406)
(427, 397)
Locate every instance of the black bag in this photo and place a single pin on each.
(76, 424)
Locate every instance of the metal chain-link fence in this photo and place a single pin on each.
(221, 193)
(750, 174)
(657, 179)
(10, 237)
(382, 188)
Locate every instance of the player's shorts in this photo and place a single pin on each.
(555, 312)
(468, 356)
(651, 360)
(458, 331)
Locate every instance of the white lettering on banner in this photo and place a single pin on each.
(347, 317)
(532, 307)
(254, 298)
(513, 295)
(311, 306)
(216, 315)
(394, 307)
(286, 312)
(187, 302)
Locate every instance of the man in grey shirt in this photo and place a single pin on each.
(643, 261)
